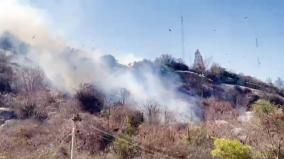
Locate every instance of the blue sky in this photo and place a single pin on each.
(225, 31)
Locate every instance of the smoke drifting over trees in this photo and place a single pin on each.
(66, 68)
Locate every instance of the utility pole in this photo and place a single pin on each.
(74, 120)
(73, 139)
(108, 126)
(182, 37)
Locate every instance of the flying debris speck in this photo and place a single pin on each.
(170, 29)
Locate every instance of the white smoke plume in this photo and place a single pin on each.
(66, 67)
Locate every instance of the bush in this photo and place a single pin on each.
(26, 111)
(91, 100)
(153, 113)
(171, 62)
(163, 141)
(88, 138)
(125, 148)
(263, 107)
(218, 110)
(199, 142)
(31, 111)
(198, 136)
(30, 79)
(230, 149)
(133, 121)
(272, 122)
(117, 117)
(217, 70)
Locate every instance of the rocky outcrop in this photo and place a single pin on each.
(6, 114)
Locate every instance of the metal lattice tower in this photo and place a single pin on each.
(198, 64)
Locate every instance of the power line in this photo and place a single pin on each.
(60, 144)
(133, 144)
(141, 147)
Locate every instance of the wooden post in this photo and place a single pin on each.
(73, 140)
(75, 119)
(108, 119)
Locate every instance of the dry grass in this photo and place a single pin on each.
(218, 110)
(50, 138)
(166, 141)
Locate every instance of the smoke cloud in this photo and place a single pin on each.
(66, 67)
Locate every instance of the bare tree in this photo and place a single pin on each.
(30, 79)
(168, 117)
(152, 113)
(124, 94)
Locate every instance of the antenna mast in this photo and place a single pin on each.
(182, 37)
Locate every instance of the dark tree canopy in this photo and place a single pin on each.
(172, 63)
(109, 60)
(6, 73)
(90, 98)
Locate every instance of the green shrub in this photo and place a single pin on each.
(199, 143)
(125, 148)
(134, 119)
(263, 107)
(230, 149)
(272, 122)
(198, 136)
